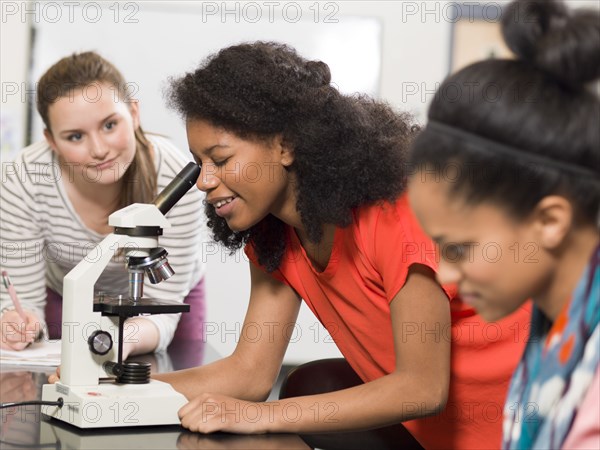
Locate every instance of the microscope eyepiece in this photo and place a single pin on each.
(177, 188)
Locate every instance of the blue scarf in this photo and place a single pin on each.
(556, 370)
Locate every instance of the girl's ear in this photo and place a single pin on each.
(553, 217)
(286, 151)
(50, 139)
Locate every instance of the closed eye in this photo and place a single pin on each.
(197, 160)
(454, 252)
(221, 163)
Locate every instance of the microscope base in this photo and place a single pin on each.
(108, 405)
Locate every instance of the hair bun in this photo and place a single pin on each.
(563, 44)
(319, 71)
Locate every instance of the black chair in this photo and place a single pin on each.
(327, 375)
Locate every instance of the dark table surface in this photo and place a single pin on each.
(25, 427)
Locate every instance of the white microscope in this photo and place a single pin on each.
(98, 389)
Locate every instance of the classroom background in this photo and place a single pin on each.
(397, 51)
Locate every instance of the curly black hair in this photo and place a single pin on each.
(348, 150)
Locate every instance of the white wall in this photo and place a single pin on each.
(14, 55)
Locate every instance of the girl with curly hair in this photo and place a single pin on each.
(310, 182)
(533, 186)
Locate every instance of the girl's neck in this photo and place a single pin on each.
(286, 209)
(287, 212)
(93, 202)
(104, 196)
(568, 270)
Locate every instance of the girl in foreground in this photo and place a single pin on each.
(528, 183)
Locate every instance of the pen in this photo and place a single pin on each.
(13, 295)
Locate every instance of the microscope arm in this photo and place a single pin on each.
(79, 366)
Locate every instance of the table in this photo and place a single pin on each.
(25, 427)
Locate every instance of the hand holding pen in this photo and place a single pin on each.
(19, 327)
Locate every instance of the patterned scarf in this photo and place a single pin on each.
(556, 370)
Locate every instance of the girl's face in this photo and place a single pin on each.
(93, 132)
(496, 261)
(244, 180)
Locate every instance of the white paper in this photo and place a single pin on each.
(43, 353)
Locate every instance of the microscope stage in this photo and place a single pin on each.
(120, 306)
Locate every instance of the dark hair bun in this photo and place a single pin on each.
(562, 43)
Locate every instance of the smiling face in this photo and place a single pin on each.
(93, 133)
(496, 261)
(244, 180)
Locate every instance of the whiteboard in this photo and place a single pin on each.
(152, 41)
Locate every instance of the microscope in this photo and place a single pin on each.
(98, 389)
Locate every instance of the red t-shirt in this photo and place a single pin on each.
(368, 266)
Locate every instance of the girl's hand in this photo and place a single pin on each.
(209, 413)
(55, 376)
(17, 387)
(17, 334)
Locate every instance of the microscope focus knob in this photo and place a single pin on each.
(100, 342)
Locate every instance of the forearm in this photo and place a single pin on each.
(140, 336)
(165, 325)
(391, 399)
(22, 244)
(228, 376)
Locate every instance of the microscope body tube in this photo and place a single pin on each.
(136, 284)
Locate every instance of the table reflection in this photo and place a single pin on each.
(25, 426)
